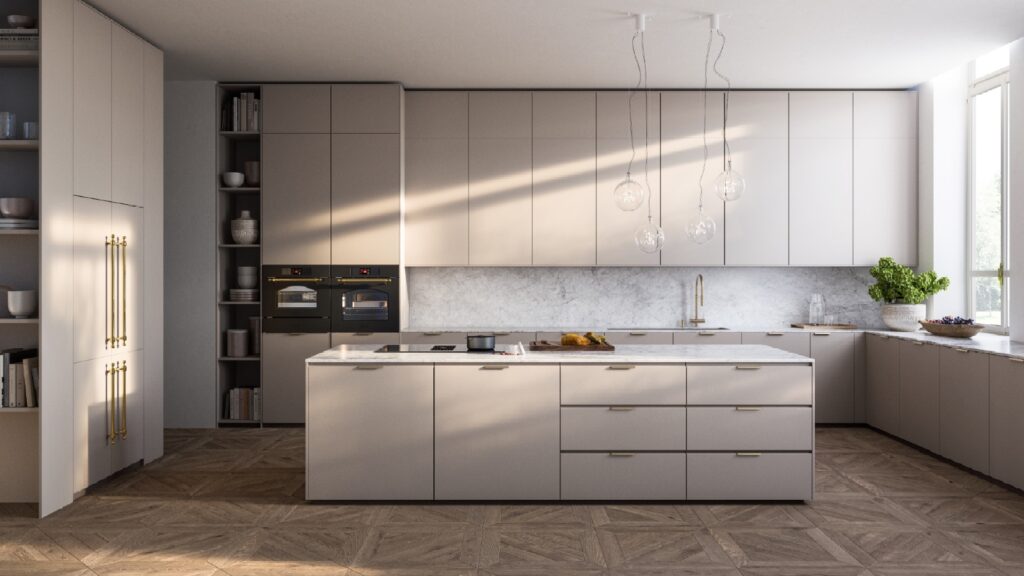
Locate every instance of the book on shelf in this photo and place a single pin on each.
(19, 372)
(244, 113)
(243, 404)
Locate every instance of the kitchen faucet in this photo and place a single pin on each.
(698, 300)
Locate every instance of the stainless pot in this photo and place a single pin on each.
(480, 342)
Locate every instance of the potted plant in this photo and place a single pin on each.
(902, 293)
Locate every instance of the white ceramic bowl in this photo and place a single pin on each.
(232, 179)
(17, 207)
(21, 303)
(242, 236)
(246, 280)
(21, 21)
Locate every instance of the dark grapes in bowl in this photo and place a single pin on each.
(953, 327)
(954, 320)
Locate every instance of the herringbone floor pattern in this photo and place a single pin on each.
(229, 502)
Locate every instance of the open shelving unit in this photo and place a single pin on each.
(234, 148)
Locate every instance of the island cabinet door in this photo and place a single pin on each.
(369, 432)
(496, 433)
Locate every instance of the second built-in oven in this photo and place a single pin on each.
(296, 299)
(365, 298)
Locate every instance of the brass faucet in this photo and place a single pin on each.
(698, 300)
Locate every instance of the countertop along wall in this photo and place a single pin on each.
(736, 298)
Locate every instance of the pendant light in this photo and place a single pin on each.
(630, 194)
(701, 228)
(649, 237)
(729, 185)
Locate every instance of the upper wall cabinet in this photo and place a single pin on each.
(758, 135)
(564, 167)
(127, 124)
(500, 178)
(821, 178)
(92, 96)
(366, 193)
(437, 179)
(296, 108)
(296, 199)
(884, 177)
(366, 108)
(617, 153)
(682, 160)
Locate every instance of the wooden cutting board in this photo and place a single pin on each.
(545, 346)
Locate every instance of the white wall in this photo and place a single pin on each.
(190, 256)
(1017, 190)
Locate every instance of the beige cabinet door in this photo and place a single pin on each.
(616, 228)
(482, 449)
(153, 184)
(129, 414)
(283, 374)
(94, 421)
(884, 177)
(94, 280)
(296, 199)
(296, 109)
(683, 137)
(370, 433)
(127, 223)
(758, 132)
(437, 201)
(366, 190)
(93, 93)
(820, 178)
(1006, 427)
(835, 357)
(919, 394)
(128, 121)
(366, 108)
(964, 407)
(882, 408)
(500, 202)
(795, 342)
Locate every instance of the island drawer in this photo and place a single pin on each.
(623, 384)
(750, 476)
(750, 384)
(624, 428)
(750, 428)
(623, 476)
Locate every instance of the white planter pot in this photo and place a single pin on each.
(903, 317)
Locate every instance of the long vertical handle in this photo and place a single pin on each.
(123, 269)
(108, 290)
(111, 403)
(124, 399)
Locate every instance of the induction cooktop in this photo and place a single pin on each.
(428, 348)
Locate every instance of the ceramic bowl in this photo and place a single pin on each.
(21, 303)
(233, 179)
(17, 207)
(243, 236)
(952, 330)
(21, 21)
(247, 277)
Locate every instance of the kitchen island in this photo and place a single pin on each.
(731, 422)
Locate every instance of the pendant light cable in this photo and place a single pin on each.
(647, 154)
(728, 89)
(704, 132)
(629, 100)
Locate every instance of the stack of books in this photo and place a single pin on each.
(243, 404)
(241, 113)
(19, 39)
(19, 370)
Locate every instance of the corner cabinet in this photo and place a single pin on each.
(1006, 427)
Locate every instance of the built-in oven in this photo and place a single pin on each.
(296, 299)
(365, 298)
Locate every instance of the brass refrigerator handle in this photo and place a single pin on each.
(108, 341)
(111, 404)
(123, 270)
(124, 398)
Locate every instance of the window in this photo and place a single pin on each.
(988, 242)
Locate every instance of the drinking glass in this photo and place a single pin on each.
(8, 126)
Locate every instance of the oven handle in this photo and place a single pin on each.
(277, 279)
(363, 280)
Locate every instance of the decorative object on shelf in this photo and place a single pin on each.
(233, 179)
(30, 130)
(237, 343)
(730, 183)
(252, 173)
(255, 331)
(902, 293)
(22, 303)
(247, 277)
(21, 21)
(8, 126)
(630, 194)
(953, 327)
(244, 229)
(17, 207)
(243, 294)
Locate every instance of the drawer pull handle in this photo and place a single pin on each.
(822, 333)
(621, 454)
(1017, 360)
(706, 334)
(432, 333)
(620, 408)
(368, 367)
(362, 333)
(962, 350)
(748, 367)
(748, 409)
(494, 367)
(621, 367)
(501, 333)
(917, 343)
(638, 333)
(748, 454)
(773, 333)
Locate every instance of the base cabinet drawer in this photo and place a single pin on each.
(750, 428)
(706, 337)
(751, 385)
(623, 476)
(750, 476)
(644, 338)
(624, 428)
(623, 384)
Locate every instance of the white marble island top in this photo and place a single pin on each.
(625, 354)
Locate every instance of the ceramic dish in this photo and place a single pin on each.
(952, 330)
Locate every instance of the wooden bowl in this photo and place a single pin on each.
(952, 330)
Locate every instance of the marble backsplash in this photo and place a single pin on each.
(736, 298)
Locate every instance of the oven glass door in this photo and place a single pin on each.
(364, 304)
(297, 297)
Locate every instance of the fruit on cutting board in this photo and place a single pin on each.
(573, 339)
(596, 338)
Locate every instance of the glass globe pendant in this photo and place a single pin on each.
(649, 237)
(702, 228)
(629, 194)
(730, 184)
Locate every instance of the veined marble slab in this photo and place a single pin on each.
(626, 354)
(988, 343)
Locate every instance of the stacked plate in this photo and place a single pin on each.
(18, 224)
(243, 294)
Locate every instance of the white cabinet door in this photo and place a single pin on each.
(127, 224)
(758, 133)
(835, 357)
(683, 137)
(93, 279)
(92, 91)
(496, 432)
(370, 433)
(884, 177)
(283, 374)
(94, 421)
(1006, 425)
(128, 122)
(366, 108)
(883, 383)
(919, 394)
(820, 179)
(964, 407)
(616, 228)
(795, 342)
(153, 182)
(366, 197)
(129, 413)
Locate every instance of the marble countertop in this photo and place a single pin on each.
(626, 354)
(988, 343)
(475, 330)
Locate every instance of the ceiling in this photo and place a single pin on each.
(569, 43)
